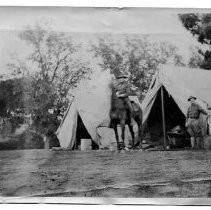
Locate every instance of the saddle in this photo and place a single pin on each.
(135, 106)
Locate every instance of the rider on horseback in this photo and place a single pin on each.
(123, 90)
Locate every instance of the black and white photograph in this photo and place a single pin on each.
(105, 104)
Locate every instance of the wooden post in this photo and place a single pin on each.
(163, 117)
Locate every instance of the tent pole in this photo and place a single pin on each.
(163, 118)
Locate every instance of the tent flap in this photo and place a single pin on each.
(67, 131)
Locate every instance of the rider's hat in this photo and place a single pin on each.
(123, 75)
(191, 98)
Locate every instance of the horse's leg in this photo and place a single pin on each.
(116, 135)
(132, 134)
(122, 123)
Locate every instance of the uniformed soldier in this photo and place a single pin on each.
(123, 90)
(209, 120)
(194, 127)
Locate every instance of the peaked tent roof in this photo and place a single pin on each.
(180, 83)
(92, 100)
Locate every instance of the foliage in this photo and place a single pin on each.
(26, 140)
(12, 103)
(196, 59)
(138, 56)
(200, 26)
(53, 72)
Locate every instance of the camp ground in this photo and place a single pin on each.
(164, 107)
(108, 105)
(105, 173)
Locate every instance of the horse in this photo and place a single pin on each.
(119, 114)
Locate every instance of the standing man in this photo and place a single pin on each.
(209, 120)
(194, 127)
(123, 90)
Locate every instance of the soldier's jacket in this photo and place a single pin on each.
(194, 111)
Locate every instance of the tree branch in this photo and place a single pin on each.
(57, 66)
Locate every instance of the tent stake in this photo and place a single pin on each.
(163, 118)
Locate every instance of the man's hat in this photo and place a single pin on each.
(191, 98)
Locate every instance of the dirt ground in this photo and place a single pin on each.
(105, 173)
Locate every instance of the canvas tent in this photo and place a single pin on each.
(165, 104)
(90, 105)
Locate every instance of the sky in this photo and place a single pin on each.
(160, 24)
